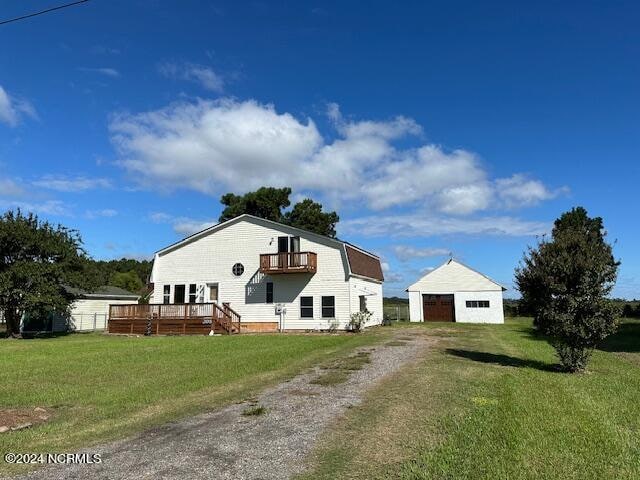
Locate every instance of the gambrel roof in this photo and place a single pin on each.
(453, 276)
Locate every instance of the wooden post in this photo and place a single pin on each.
(184, 323)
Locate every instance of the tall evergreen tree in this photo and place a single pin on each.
(269, 203)
(308, 215)
(566, 282)
(266, 202)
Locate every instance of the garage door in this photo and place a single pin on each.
(438, 308)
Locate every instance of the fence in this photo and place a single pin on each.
(396, 313)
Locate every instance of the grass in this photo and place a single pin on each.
(334, 377)
(486, 402)
(396, 343)
(104, 387)
(254, 411)
(338, 370)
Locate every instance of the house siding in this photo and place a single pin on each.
(374, 301)
(92, 314)
(209, 259)
(493, 314)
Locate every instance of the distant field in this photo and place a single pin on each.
(487, 403)
(103, 387)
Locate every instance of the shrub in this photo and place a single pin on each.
(358, 320)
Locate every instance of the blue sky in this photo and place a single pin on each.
(431, 127)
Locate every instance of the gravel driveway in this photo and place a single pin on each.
(227, 445)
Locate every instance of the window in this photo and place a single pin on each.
(306, 307)
(477, 303)
(363, 303)
(238, 269)
(178, 294)
(213, 292)
(328, 307)
(192, 293)
(269, 292)
(166, 294)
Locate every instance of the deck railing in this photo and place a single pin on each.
(289, 262)
(185, 319)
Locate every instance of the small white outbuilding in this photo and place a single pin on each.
(454, 292)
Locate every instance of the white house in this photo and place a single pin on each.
(454, 292)
(274, 276)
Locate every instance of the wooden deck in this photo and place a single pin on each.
(183, 319)
(288, 262)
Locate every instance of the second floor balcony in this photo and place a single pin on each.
(288, 262)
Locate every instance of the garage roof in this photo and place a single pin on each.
(453, 276)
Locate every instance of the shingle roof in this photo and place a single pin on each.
(105, 290)
(454, 276)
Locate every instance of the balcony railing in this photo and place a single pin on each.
(289, 262)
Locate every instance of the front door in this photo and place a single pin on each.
(213, 292)
(438, 308)
(283, 249)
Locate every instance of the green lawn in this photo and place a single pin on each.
(485, 402)
(104, 387)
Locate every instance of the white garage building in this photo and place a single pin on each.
(454, 292)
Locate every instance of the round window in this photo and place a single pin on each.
(238, 269)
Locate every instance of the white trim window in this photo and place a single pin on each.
(306, 307)
(477, 303)
(329, 307)
(166, 294)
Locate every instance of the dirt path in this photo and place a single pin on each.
(226, 444)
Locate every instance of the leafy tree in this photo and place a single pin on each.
(627, 311)
(269, 202)
(266, 202)
(308, 215)
(566, 281)
(101, 272)
(36, 261)
(128, 280)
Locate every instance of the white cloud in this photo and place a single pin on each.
(389, 276)
(465, 199)
(194, 72)
(49, 207)
(422, 225)
(406, 252)
(181, 225)
(106, 212)
(520, 191)
(71, 184)
(160, 217)
(9, 188)
(13, 109)
(218, 144)
(106, 71)
(187, 226)
(229, 145)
